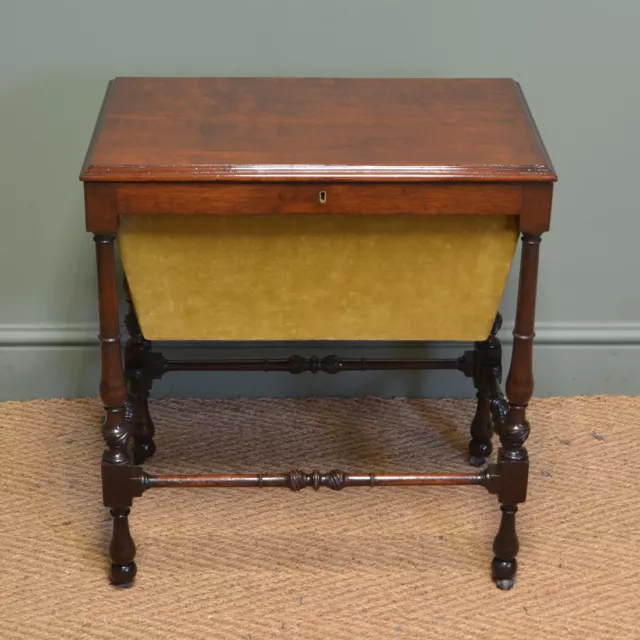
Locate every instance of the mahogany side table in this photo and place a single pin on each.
(315, 209)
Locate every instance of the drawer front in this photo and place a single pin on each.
(318, 198)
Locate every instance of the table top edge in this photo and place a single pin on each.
(323, 173)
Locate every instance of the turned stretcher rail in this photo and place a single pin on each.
(314, 364)
(297, 480)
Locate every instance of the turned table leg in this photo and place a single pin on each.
(116, 460)
(487, 356)
(138, 385)
(513, 462)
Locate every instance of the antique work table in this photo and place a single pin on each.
(315, 209)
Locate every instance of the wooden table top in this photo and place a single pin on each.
(252, 129)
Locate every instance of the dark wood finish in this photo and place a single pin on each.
(112, 389)
(313, 131)
(122, 549)
(535, 208)
(316, 146)
(520, 379)
(514, 430)
(487, 364)
(505, 545)
(205, 129)
(297, 480)
(143, 363)
(313, 364)
(499, 406)
(105, 202)
(305, 198)
(116, 431)
(101, 208)
(139, 384)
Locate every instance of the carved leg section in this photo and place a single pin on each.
(117, 494)
(139, 386)
(480, 445)
(143, 428)
(487, 356)
(116, 461)
(512, 490)
(513, 460)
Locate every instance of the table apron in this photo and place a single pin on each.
(105, 202)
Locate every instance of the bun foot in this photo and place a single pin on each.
(142, 451)
(122, 575)
(505, 585)
(479, 451)
(476, 461)
(504, 572)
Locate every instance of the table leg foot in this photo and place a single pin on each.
(506, 584)
(503, 573)
(477, 461)
(122, 575)
(122, 550)
(505, 546)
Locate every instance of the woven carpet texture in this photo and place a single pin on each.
(364, 563)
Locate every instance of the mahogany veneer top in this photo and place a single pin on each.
(207, 129)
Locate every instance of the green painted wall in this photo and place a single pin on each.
(578, 62)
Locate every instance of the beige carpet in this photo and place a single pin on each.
(364, 563)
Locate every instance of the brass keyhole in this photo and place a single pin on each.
(323, 197)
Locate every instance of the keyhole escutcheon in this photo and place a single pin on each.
(323, 197)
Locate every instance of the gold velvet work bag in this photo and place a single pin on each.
(317, 277)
